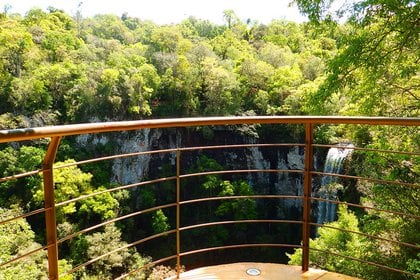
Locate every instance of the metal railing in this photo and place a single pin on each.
(56, 134)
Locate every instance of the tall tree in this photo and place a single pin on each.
(377, 67)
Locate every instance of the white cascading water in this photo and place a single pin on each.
(333, 164)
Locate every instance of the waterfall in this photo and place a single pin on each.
(329, 188)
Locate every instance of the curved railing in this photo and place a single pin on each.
(56, 133)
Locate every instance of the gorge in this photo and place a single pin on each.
(132, 169)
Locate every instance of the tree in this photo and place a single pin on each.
(17, 238)
(160, 222)
(177, 96)
(19, 192)
(220, 90)
(15, 42)
(283, 83)
(341, 242)
(230, 46)
(275, 55)
(108, 27)
(285, 33)
(146, 83)
(376, 73)
(167, 39)
(113, 264)
(231, 18)
(99, 207)
(376, 68)
(71, 182)
(202, 28)
(240, 209)
(255, 77)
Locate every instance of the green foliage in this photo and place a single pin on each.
(9, 121)
(209, 182)
(105, 67)
(16, 43)
(376, 70)
(15, 161)
(225, 209)
(392, 197)
(336, 241)
(284, 33)
(56, 70)
(202, 28)
(123, 68)
(315, 9)
(220, 89)
(115, 263)
(108, 27)
(356, 246)
(160, 222)
(414, 265)
(102, 206)
(70, 182)
(238, 209)
(64, 266)
(17, 238)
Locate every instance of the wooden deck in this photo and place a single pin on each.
(267, 271)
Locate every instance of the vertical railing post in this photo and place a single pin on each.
(178, 210)
(49, 202)
(307, 187)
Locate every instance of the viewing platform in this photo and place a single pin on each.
(259, 271)
(302, 227)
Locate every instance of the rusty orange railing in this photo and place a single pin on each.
(56, 133)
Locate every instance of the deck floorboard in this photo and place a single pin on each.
(268, 271)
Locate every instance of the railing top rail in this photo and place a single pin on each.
(75, 129)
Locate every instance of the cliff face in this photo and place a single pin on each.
(132, 169)
(135, 167)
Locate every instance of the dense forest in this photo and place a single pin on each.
(57, 68)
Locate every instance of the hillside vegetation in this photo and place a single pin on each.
(57, 68)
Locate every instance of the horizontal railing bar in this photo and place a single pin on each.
(366, 262)
(238, 246)
(26, 254)
(21, 175)
(366, 207)
(147, 266)
(26, 174)
(25, 215)
(70, 236)
(117, 250)
(366, 149)
(239, 197)
(34, 172)
(240, 171)
(116, 189)
(368, 235)
(75, 129)
(114, 157)
(241, 146)
(366, 179)
(239, 222)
